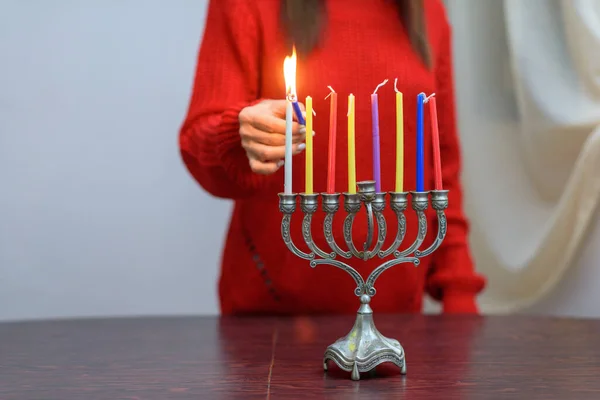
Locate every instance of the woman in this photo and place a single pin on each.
(232, 142)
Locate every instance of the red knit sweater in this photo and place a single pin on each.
(240, 62)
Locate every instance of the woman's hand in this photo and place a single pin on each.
(262, 129)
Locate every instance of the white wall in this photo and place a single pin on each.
(97, 214)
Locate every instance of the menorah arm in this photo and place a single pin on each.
(422, 232)
(381, 235)
(439, 202)
(287, 239)
(370, 229)
(309, 204)
(328, 231)
(331, 205)
(369, 287)
(441, 234)
(419, 202)
(348, 222)
(360, 283)
(398, 203)
(399, 236)
(351, 206)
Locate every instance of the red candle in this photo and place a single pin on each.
(332, 141)
(435, 139)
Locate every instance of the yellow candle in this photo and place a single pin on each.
(399, 143)
(309, 146)
(351, 147)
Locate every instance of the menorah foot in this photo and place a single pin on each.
(364, 348)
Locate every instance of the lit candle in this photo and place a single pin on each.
(351, 147)
(376, 150)
(289, 73)
(332, 141)
(399, 140)
(288, 148)
(420, 144)
(435, 142)
(309, 146)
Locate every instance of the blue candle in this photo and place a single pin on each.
(420, 144)
(298, 113)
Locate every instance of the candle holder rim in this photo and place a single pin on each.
(304, 194)
(330, 194)
(399, 193)
(414, 192)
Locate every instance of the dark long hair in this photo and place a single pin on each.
(304, 21)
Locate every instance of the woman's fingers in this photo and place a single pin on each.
(251, 133)
(273, 124)
(263, 130)
(266, 153)
(264, 168)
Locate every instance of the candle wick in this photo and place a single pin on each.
(330, 93)
(380, 85)
(314, 112)
(291, 97)
(396, 85)
(428, 97)
(351, 98)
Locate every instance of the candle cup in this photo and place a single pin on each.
(287, 202)
(379, 202)
(419, 200)
(352, 202)
(439, 200)
(366, 190)
(331, 202)
(398, 201)
(309, 202)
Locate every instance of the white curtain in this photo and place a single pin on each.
(528, 87)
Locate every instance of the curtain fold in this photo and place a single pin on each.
(528, 82)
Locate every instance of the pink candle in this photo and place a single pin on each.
(435, 139)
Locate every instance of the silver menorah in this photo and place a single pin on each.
(364, 348)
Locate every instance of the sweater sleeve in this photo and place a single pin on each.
(226, 81)
(452, 278)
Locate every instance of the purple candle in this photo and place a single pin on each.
(376, 150)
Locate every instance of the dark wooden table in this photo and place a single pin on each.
(280, 358)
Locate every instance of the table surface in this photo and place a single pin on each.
(245, 358)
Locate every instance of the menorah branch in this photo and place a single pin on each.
(358, 279)
(331, 205)
(309, 203)
(439, 202)
(419, 203)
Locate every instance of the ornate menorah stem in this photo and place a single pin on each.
(364, 347)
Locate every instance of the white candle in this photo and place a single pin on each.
(288, 147)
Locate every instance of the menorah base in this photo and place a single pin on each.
(364, 348)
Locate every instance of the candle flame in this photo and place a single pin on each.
(289, 73)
